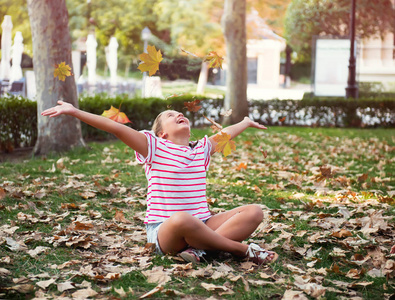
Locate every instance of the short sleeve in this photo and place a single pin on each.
(207, 151)
(152, 143)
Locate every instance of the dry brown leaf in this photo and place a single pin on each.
(65, 286)
(121, 292)
(342, 233)
(2, 193)
(38, 250)
(294, 295)
(88, 195)
(84, 294)
(157, 275)
(23, 288)
(152, 292)
(46, 283)
(212, 287)
(120, 217)
(4, 272)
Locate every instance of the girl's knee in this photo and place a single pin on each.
(255, 212)
(181, 220)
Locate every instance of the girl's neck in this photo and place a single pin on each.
(182, 141)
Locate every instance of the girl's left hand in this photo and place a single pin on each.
(253, 124)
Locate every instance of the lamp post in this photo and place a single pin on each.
(352, 87)
(145, 36)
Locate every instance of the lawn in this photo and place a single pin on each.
(71, 225)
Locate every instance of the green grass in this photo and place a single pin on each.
(43, 202)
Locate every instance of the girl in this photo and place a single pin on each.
(178, 218)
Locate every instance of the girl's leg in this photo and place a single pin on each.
(237, 224)
(182, 229)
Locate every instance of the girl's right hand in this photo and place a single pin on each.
(63, 108)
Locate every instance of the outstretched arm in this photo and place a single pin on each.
(134, 139)
(235, 130)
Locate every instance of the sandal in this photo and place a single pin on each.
(259, 255)
(192, 255)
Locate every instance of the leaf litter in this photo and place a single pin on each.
(343, 247)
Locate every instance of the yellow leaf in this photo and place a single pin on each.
(114, 114)
(224, 143)
(62, 71)
(150, 60)
(214, 59)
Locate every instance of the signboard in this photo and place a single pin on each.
(331, 67)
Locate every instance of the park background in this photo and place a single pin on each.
(71, 217)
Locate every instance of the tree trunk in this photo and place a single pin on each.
(203, 76)
(52, 45)
(234, 27)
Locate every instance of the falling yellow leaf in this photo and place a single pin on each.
(62, 71)
(224, 143)
(214, 59)
(150, 60)
(116, 115)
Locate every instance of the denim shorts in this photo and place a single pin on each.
(152, 236)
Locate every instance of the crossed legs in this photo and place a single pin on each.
(223, 231)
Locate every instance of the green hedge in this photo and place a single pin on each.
(18, 116)
(18, 119)
(326, 112)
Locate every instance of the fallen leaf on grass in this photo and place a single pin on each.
(121, 292)
(46, 283)
(294, 295)
(88, 195)
(157, 275)
(84, 294)
(120, 217)
(212, 287)
(22, 288)
(241, 166)
(152, 292)
(14, 245)
(4, 272)
(342, 233)
(355, 274)
(38, 250)
(65, 286)
(2, 193)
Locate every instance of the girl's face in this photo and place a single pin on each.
(174, 123)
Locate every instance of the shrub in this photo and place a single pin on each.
(18, 119)
(325, 112)
(18, 116)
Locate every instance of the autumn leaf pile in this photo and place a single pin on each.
(72, 226)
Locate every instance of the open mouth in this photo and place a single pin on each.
(181, 121)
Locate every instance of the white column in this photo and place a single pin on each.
(6, 40)
(91, 45)
(17, 50)
(112, 60)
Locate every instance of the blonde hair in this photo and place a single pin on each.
(157, 125)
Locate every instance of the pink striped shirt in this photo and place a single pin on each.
(176, 178)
